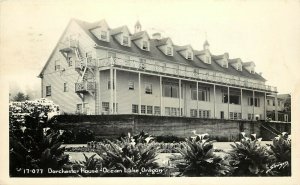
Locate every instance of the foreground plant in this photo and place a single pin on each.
(281, 152)
(199, 159)
(128, 158)
(248, 157)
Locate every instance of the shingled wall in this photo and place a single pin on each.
(112, 126)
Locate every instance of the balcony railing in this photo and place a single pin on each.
(85, 86)
(180, 71)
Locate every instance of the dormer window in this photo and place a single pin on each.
(208, 60)
(189, 55)
(239, 67)
(169, 51)
(103, 35)
(145, 45)
(225, 64)
(252, 71)
(125, 40)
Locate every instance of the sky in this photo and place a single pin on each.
(265, 32)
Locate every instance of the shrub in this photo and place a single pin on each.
(199, 159)
(32, 147)
(169, 139)
(127, 154)
(84, 136)
(248, 157)
(281, 153)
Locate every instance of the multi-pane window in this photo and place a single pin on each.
(111, 54)
(103, 35)
(79, 108)
(149, 109)
(48, 90)
(142, 63)
(193, 112)
(148, 88)
(167, 111)
(143, 109)
(66, 89)
(171, 90)
(156, 110)
(225, 64)
(115, 107)
(105, 106)
(256, 102)
(125, 40)
(203, 94)
(235, 115)
(57, 65)
(250, 116)
(208, 59)
(169, 51)
(172, 111)
(268, 102)
(135, 109)
(239, 67)
(273, 102)
(204, 113)
(145, 45)
(131, 85)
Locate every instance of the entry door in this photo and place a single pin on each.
(222, 115)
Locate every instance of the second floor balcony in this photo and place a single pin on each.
(183, 72)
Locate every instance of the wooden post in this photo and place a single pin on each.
(228, 100)
(214, 100)
(276, 107)
(253, 101)
(197, 93)
(241, 103)
(265, 108)
(161, 96)
(140, 94)
(179, 97)
(115, 90)
(111, 91)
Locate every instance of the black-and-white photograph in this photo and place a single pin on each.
(150, 89)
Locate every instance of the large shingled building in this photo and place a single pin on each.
(95, 69)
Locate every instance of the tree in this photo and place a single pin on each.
(21, 97)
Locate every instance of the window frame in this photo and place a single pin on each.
(135, 109)
(131, 85)
(66, 88)
(48, 90)
(123, 43)
(150, 88)
(103, 36)
(145, 47)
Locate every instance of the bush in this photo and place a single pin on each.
(199, 159)
(281, 153)
(129, 154)
(33, 146)
(84, 136)
(248, 157)
(169, 139)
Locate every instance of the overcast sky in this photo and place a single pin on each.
(266, 32)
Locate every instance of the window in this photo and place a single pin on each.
(169, 51)
(156, 110)
(250, 116)
(125, 41)
(235, 98)
(171, 90)
(148, 88)
(224, 96)
(149, 109)
(196, 72)
(89, 56)
(189, 55)
(135, 109)
(57, 65)
(115, 106)
(225, 64)
(208, 59)
(239, 67)
(203, 94)
(204, 113)
(145, 45)
(273, 102)
(193, 112)
(79, 108)
(268, 102)
(70, 61)
(66, 89)
(48, 90)
(105, 106)
(231, 115)
(109, 85)
(143, 109)
(256, 102)
(173, 111)
(131, 85)
(103, 35)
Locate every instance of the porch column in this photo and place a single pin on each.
(180, 97)
(228, 100)
(140, 94)
(197, 89)
(111, 91)
(253, 101)
(98, 107)
(161, 96)
(214, 100)
(276, 107)
(265, 106)
(115, 90)
(241, 103)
